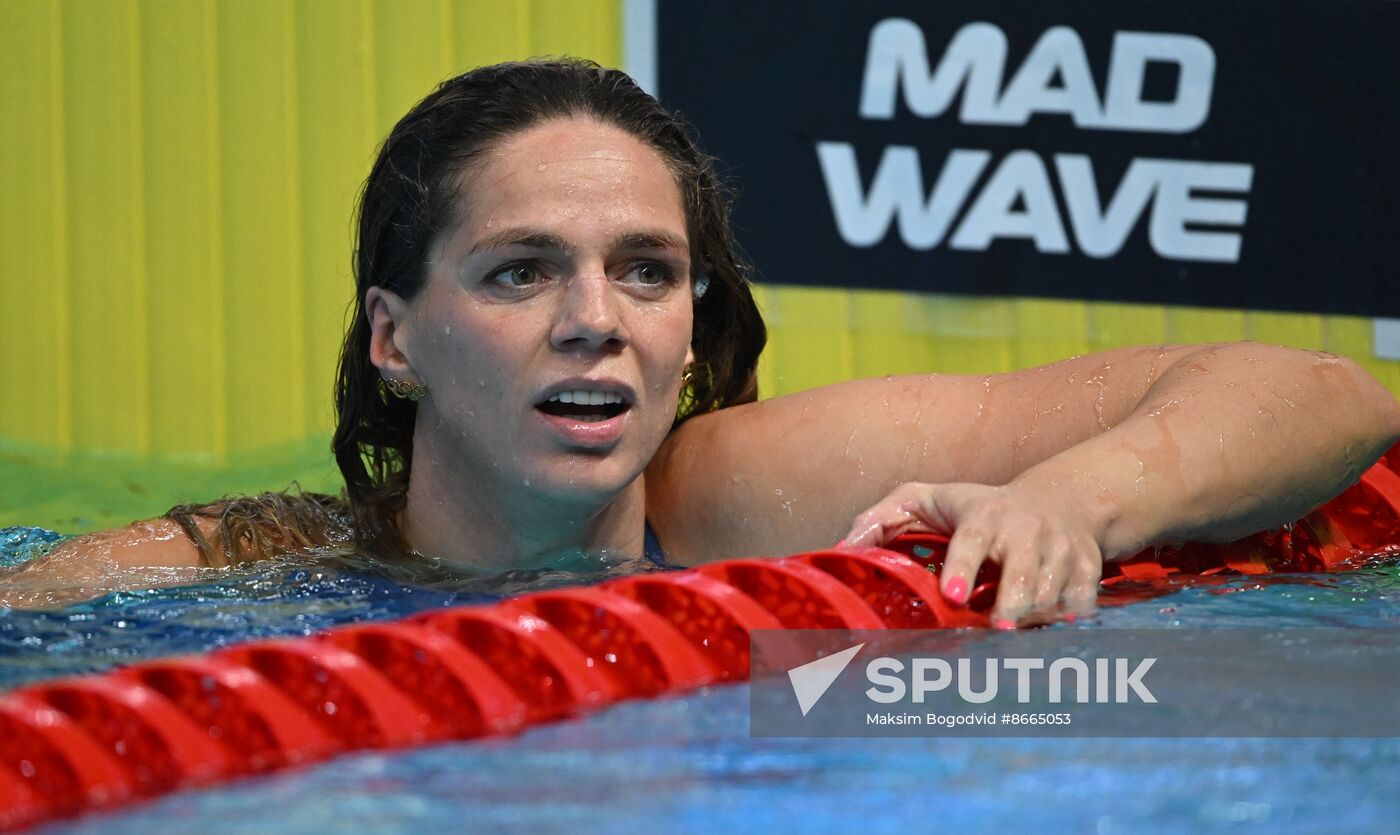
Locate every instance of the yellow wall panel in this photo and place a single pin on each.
(412, 54)
(35, 351)
(1191, 325)
(967, 334)
(490, 31)
(1111, 324)
(887, 335)
(1353, 337)
(1047, 330)
(184, 228)
(177, 219)
(106, 221)
(263, 271)
(337, 96)
(582, 28)
(809, 338)
(1298, 330)
(816, 333)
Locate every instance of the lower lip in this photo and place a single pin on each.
(587, 434)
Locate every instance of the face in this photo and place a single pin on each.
(555, 323)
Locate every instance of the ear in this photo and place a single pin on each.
(689, 356)
(388, 314)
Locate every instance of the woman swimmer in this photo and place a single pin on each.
(554, 348)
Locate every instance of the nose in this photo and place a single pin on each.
(589, 316)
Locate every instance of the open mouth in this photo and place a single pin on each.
(585, 406)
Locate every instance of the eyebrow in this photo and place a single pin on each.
(651, 239)
(538, 239)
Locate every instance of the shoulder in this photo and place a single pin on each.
(735, 482)
(247, 528)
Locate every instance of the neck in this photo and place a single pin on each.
(478, 522)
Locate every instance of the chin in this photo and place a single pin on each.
(585, 479)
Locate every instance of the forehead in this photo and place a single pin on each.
(575, 173)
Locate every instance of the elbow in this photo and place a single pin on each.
(1375, 404)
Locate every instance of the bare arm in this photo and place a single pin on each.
(1231, 439)
(188, 545)
(92, 565)
(1136, 446)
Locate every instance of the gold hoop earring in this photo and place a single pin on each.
(404, 390)
(687, 376)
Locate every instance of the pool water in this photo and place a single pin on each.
(688, 764)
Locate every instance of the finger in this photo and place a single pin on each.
(968, 548)
(911, 506)
(1081, 593)
(878, 526)
(1053, 574)
(1016, 591)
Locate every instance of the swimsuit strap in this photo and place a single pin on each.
(652, 550)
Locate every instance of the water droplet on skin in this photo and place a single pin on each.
(542, 166)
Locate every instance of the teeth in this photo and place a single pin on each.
(587, 398)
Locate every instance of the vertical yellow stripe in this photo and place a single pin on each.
(1297, 330)
(887, 335)
(1190, 325)
(189, 400)
(263, 294)
(336, 150)
(1352, 336)
(110, 382)
(491, 31)
(35, 349)
(809, 337)
(968, 335)
(1114, 325)
(581, 28)
(1047, 330)
(413, 53)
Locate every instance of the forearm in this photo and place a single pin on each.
(1229, 440)
(142, 555)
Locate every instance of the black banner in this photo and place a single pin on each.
(1235, 154)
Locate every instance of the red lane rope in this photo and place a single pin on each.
(98, 741)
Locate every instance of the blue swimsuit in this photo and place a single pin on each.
(653, 552)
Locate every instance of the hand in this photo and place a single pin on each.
(1048, 551)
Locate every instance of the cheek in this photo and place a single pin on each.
(461, 351)
(671, 341)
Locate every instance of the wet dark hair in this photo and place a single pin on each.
(411, 198)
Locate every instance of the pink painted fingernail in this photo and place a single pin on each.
(1004, 624)
(841, 544)
(1071, 617)
(956, 590)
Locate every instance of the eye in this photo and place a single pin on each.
(651, 274)
(652, 277)
(519, 275)
(515, 278)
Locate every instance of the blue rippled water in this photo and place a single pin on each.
(688, 765)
